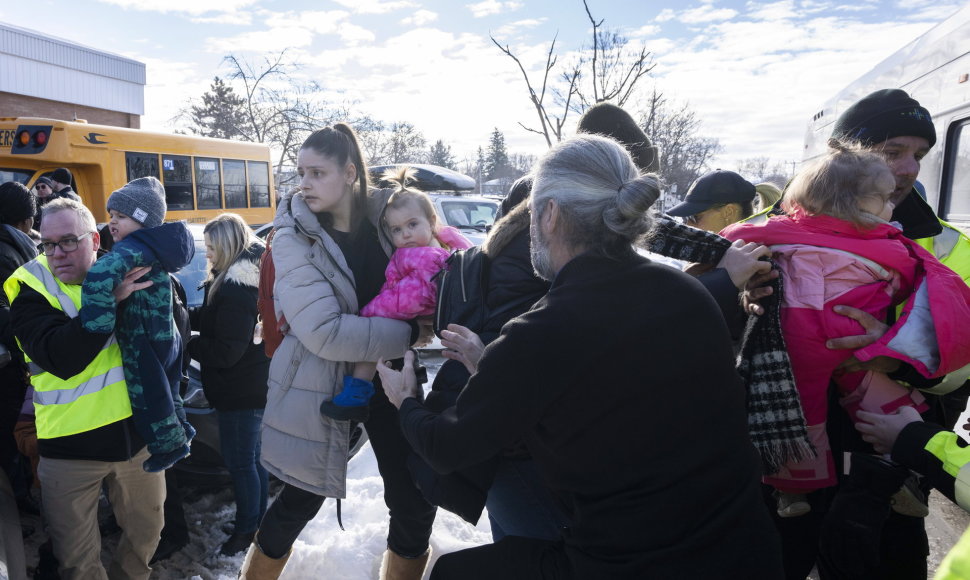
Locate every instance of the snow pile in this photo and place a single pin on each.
(322, 548)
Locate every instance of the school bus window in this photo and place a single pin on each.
(10, 174)
(958, 185)
(207, 183)
(258, 184)
(177, 177)
(141, 165)
(234, 176)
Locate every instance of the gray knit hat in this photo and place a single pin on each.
(142, 199)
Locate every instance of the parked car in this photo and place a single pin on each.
(472, 214)
(204, 466)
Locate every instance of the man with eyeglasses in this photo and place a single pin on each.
(84, 428)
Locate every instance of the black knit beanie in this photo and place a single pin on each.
(883, 115)
(612, 121)
(62, 175)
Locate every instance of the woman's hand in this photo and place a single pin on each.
(398, 385)
(129, 285)
(743, 261)
(462, 345)
(883, 430)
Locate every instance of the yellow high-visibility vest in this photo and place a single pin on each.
(95, 397)
(952, 248)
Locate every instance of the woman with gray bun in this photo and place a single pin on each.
(610, 381)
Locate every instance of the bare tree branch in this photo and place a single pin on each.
(613, 76)
(536, 99)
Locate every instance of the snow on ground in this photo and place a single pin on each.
(322, 547)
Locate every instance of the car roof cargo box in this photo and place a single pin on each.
(430, 177)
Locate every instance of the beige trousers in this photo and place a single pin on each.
(70, 496)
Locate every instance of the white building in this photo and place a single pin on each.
(44, 76)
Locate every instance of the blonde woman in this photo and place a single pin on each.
(234, 367)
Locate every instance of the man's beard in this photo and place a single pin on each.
(539, 252)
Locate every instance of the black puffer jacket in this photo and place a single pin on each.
(234, 368)
(16, 249)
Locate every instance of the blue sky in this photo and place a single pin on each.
(754, 72)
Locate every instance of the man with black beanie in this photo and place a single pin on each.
(852, 530)
(62, 178)
(60, 183)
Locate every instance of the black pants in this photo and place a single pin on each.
(411, 516)
(903, 545)
(175, 530)
(511, 558)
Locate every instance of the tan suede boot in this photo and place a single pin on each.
(396, 567)
(259, 566)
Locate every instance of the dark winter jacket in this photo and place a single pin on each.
(16, 249)
(60, 345)
(512, 289)
(608, 379)
(513, 286)
(234, 368)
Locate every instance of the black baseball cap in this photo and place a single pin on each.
(716, 188)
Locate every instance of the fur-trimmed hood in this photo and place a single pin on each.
(506, 228)
(245, 270)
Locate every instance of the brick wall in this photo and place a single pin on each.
(12, 105)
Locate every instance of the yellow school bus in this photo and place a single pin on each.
(203, 177)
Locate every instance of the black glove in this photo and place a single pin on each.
(852, 528)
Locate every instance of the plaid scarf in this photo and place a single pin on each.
(775, 420)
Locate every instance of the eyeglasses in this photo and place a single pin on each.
(42, 186)
(66, 245)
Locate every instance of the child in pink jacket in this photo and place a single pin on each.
(836, 247)
(423, 245)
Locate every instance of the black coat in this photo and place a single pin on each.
(234, 368)
(16, 249)
(621, 382)
(512, 288)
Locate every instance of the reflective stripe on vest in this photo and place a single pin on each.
(92, 385)
(961, 487)
(96, 396)
(952, 248)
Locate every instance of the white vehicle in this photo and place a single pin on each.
(935, 70)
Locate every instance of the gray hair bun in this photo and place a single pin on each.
(629, 215)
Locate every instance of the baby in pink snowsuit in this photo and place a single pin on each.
(837, 247)
(423, 245)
